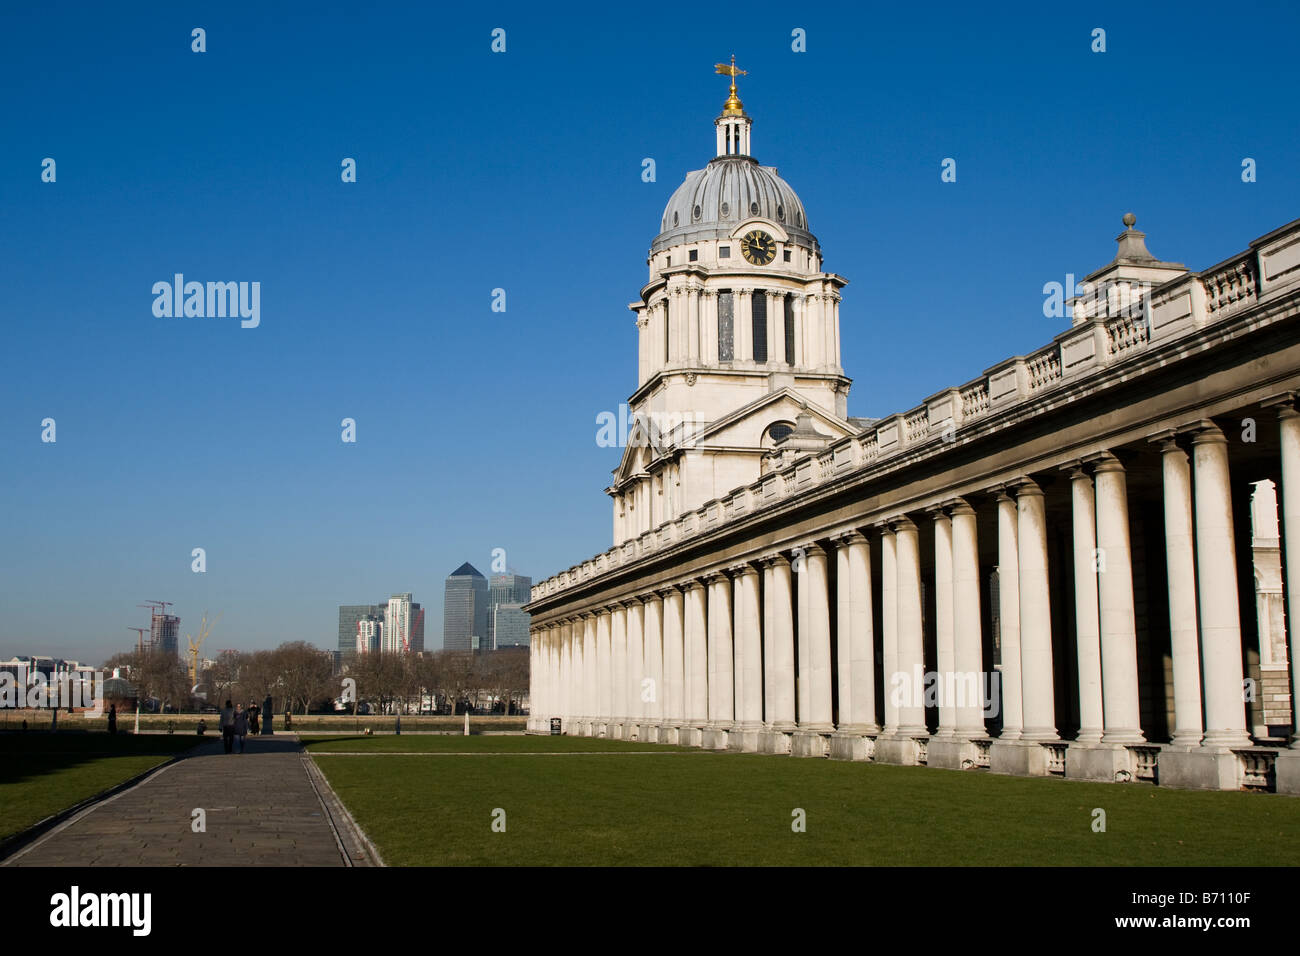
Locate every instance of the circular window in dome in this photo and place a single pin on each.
(696, 212)
(780, 213)
(753, 209)
(726, 210)
(674, 219)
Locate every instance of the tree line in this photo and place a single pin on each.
(300, 677)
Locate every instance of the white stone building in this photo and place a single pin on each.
(1047, 569)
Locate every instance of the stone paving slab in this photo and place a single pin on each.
(262, 809)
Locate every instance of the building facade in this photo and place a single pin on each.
(512, 591)
(1048, 569)
(465, 610)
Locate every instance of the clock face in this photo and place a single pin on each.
(758, 247)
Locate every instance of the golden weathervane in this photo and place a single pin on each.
(733, 104)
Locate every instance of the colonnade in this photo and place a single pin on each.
(779, 651)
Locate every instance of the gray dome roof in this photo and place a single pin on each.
(714, 200)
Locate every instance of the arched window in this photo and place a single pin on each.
(775, 432)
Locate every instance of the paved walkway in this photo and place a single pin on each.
(266, 807)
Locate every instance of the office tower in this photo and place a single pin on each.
(464, 610)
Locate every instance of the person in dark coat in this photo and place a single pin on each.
(252, 717)
(228, 727)
(112, 718)
(241, 725)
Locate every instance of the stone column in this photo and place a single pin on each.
(778, 659)
(1289, 499)
(589, 693)
(604, 674)
(1181, 564)
(721, 675)
(697, 662)
(693, 328)
(674, 666)
(1009, 618)
(1225, 711)
(1087, 622)
(749, 658)
(854, 649)
(944, 639)
(635, 667)
(831, 321)
(1119, 674)
(1287, 766)
(815, 646)
(968, 654)
(708, 327)
(911, 650)
(889, 625)
(618, 676)
(1035, 616)
(743, 325)
(800, 323)
(654, 664)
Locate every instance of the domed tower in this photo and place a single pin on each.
(738, 335)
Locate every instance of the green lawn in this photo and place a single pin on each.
(41, 773)
(689, 807)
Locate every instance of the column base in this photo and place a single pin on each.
(850, 745)
(745, 739)
(774, 741)
(1019, 758)
(690, 736)
(899, 750)
(952, 753)
(1286, 771)
(713, 738)
(810, 743)
(1202, 768)
(1099, 762)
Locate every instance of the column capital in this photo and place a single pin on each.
(1166, 438)
(743, 568)
(694, 584)
(716, 575)
(902, 523)
(845, 538)
(775, 560)
(1205, 432)
(960, 506)
(1284, 403)
(1103, 462)
(809, 548)
(1028, 489)
(630, 602)
(668, 590)
(937, 511)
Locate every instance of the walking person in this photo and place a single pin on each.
(252, 718)
(227, 723)
(241, 725)
(112, 719)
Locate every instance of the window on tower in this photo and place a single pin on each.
(759, 311)
(695, 255)
(726, 327)
(724, 252)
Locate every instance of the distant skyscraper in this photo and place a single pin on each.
(464, 610)
(349, 615)
(164, 631)
(397, 624)
(509, 626)
(370, 634)
(513, 589)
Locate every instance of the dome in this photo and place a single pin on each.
(714, 200)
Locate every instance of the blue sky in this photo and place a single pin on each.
(522, 170)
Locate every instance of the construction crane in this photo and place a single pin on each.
(140, 641)
(205, 629)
